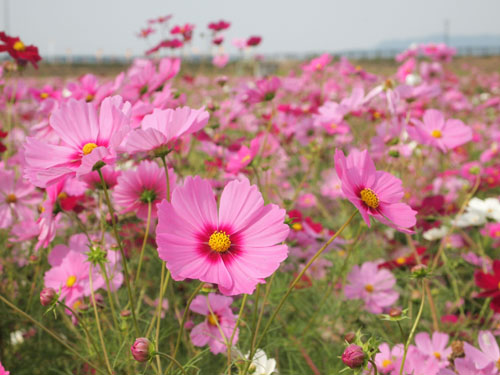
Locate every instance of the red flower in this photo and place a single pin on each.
(19, 51)
(219, 26)
(254, 41)
(491, 284)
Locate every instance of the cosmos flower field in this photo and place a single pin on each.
(324, 219)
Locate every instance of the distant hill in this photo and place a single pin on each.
(485, 40)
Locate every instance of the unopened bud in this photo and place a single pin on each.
(350, 337)
(353, 356)
(47, 296)
(395, 312)
(142, 350)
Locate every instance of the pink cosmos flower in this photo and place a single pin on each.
(16, 198)
(218, 311)
(243, 157)
(265, 90)
(374, 193)
(489, 353)
(332, 186)
(162, 128)
(235, 247)
(3, 371)
(434, 131)
(137, 188)
(388, 360)
(220, 60)
(435, 347)
(318, 64)
(372, 285)
(418, 363)
(86, 139)
(331, 118)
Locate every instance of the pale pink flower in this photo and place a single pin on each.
(220, 60)
(435, 131)
(86, 139)
(372, 285)
(435, 347)
(161, 129)
(218, 311)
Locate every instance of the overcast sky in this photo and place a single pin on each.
(296, 26)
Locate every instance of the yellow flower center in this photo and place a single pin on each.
(76, 305)
(297, 227)
(71, 281)
(369, 197)
(376, 115)
(400, 260)
(369, 288)
(219, 241)
(11, 198)
(499, 285)
(62, 195)
(437, 355)
(19, 46)
(386, 362)
(498, 364)
(388, 84)
(333, 125)
(436, 133)
(213, 320)
(245, 158)
(358, 68)
(89, 98)
(44, 95)
(88, 148)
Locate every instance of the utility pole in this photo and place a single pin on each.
(6, 16)
(446, 31)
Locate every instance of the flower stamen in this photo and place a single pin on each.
(88, 148)
(219, 241)
(369, 197)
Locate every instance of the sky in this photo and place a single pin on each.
(287, 26)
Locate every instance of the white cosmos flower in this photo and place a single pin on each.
(435, 233)
(261, 365)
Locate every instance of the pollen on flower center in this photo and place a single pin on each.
(11, 198)
(88, 148)
(369, 288)
(219, 241)
(71, 281)
(44, 95)
(400, 260)
(19, 46)
(437, 355)
(89, 98)
(498, 364)
(436, 133)
(386, 362)
(213, 319)
(297, 227)
(369, 197)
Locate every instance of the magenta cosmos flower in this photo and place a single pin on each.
(218, 311)
(86, 139)
(372, 285)
(374, 193)
(162, 128)
(137, 188)
(438, 133)
(236, 247)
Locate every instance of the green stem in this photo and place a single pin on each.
(299, 276)
(158, 313)
(110, 297)
(374, 366)
(413, 329)
(172, 360)
(229, 347)
(57, 338)
(146, 234)
(183, 321)
(98, 323)
(122, 252)
(164, 162)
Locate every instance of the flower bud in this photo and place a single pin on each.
(395, 312)
(350, 337)
(353, 356)
(142, 350)
(47, 296)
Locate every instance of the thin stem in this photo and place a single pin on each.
(98, 322)
(164, 162)
(57, 338)
(122, 252)
(158, 314)
(183, 321)
(374, 366)
(172, 360)
(110, 297)
(83, 325)
(299, 276)
(229, 347)
(144, 242)
(413, 329)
